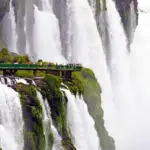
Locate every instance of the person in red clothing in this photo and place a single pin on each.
(29, 62)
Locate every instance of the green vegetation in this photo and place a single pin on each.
(76, 85)
(91, 90)
(51, 139)
(67, 144)
(100, 6)
(32, 113)
(20, 59)
(50, 89)
(79, 80)
(24, 74)
(5, 57)
(82, 83)
(28, 74)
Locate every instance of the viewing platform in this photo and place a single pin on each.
(64, 71)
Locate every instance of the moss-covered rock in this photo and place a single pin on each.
(91, 94)
(32, 112)
(51, 139)
(100, 6)
(50, 89)
(4, 7)
(67, 144)
(84, 83)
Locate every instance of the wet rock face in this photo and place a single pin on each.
(123, 7)
(4, 7)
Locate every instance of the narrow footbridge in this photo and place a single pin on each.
(65, 71)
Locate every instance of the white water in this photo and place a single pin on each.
(11, 121)
(93, 5)
(57, 138)
(123, 90)
(9, 29)
(85, 47)
(81, 124)
(19, 80)
(46, 34)
(48, 125)
(141, 71)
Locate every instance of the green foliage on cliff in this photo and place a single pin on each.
(50, 89)
(24, 74)
(20, 59)
(91, 93)
(51, 138)
(6, 57)
(100, 6)
(79, 80)
(28, 74)
(32, 113)
(75, 85)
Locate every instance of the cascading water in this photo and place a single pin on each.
(9, 29)
(46, 34)
(93, 5)
(57, 138)
(11, 120)
(119, 64)
(48, 125)
(84, 46)
(81, 124)
(140, 72)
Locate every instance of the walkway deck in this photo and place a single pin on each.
(65, 71)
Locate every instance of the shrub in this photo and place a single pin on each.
(24, 73)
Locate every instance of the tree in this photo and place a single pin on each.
(4, 51)
(5, 56)
(21, 59)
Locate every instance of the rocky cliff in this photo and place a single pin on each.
(124, 7)
(129, 16)
(3, 8)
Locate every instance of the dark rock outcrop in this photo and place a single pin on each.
(124, 8)
(4, 7)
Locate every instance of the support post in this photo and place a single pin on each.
(4, 72)
(67, 75)
(34, 73)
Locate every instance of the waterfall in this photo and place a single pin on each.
(85, 46)
(46, 34)
(9, 29)
(57, 138)
(141, 71)
(81, 124)
(120, 70)
(93, 5)
(11, 120)
(48, 125)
